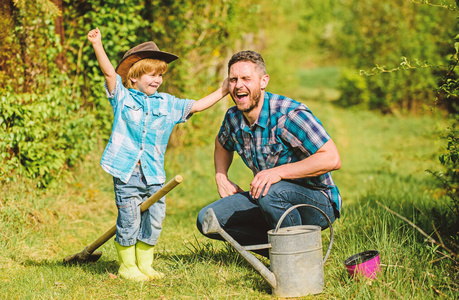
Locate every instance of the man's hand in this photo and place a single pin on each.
(263, 180)
(226, 187)
(326, 159)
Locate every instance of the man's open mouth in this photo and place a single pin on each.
(241, 96)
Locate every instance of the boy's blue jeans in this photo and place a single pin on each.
(131, 225)
(247, 220)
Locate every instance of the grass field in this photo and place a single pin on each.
(384, 163)
(384, 159)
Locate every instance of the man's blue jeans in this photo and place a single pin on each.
(247, 220)
(131, 225)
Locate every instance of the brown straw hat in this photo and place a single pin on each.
(145, 50)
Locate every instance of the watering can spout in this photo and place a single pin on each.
(210, 225)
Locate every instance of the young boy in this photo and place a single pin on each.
(134, 155)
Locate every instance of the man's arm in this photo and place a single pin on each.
(325, 160)
(211, 99)
(222, 160)
(95, 37)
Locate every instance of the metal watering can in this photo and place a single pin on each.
(295, 255)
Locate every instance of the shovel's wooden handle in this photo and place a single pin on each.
(159, 194)
(143, 207)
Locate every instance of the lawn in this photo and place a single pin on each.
(384, 159)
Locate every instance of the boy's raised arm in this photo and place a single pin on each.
(211, 99)
(95, 37)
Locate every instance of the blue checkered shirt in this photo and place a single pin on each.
(141, 129)
(286, 132)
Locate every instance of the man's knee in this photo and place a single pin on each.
(278, 188)
(274, 195)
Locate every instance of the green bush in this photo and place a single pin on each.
(396, 37)
(43, 134)
(354, 90)
(450, 177)
(44, 127)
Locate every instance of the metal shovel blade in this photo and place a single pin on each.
(83, 257)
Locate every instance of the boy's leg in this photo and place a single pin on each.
(128, 199)
(144, 254)
(132, 225)
(284, 194)
(240, 217)
(150, 229)
(152, 219)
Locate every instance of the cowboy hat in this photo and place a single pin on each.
(144, 50)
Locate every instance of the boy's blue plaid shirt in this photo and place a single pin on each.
(286, 132)
(141, 129)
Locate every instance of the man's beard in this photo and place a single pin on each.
(254, 100)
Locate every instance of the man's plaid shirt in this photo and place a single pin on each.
(286, 132)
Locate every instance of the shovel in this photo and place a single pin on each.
(88, 254)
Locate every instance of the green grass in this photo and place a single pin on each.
(384, 159)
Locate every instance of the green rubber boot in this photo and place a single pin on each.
(128, 268)
(144, 254)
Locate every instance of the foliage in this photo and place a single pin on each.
(447, 96)
(44, 128)
(451, 157)
(60, 105)
(29, 53)
(41, 135)
(354, 90)
(450, 180)
(360, 34)
(448, 89)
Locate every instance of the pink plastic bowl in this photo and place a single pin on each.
(364, 263)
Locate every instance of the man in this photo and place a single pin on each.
(288, 150)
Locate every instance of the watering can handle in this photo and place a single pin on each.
(326, 217)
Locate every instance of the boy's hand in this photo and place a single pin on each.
(211, 99)
(94, 36)
(106, 66)
(225, 87)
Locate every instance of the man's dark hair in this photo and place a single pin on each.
(250, 56)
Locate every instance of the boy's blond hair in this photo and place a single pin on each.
(142, 67)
